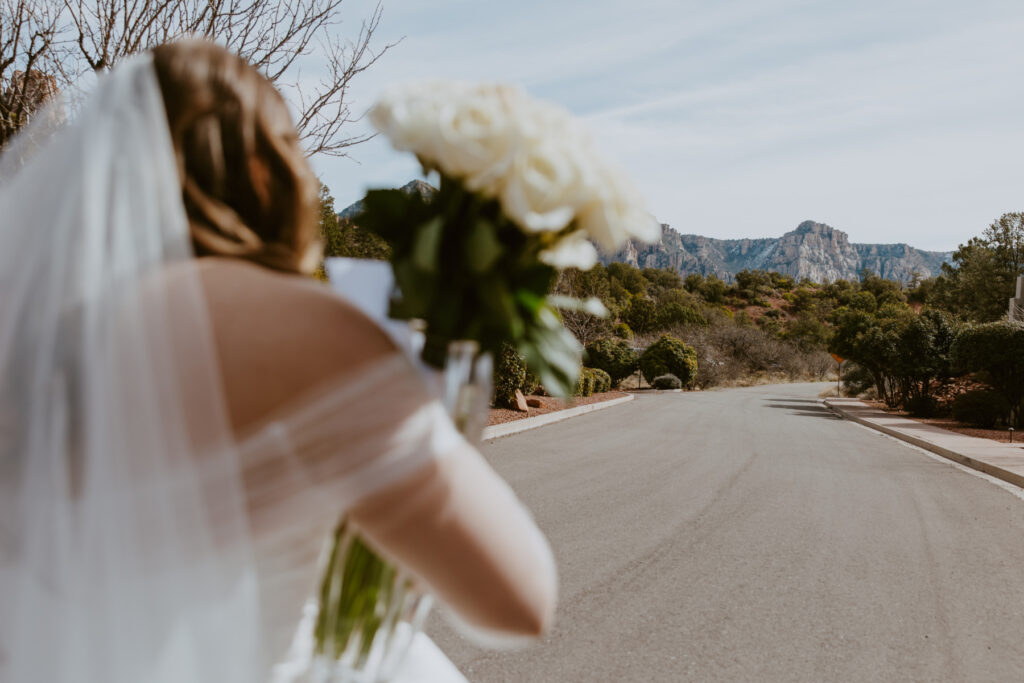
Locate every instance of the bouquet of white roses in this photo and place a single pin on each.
(522, 193)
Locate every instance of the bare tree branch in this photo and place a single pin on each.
(30, 59)
(74, 37)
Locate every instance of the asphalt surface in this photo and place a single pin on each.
(750, 535)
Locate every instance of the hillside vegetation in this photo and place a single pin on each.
(930, 346)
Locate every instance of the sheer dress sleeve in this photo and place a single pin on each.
(378, 444)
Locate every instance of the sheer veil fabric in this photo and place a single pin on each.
(140, 538)
(125, 553)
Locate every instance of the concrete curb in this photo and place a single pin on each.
(980, 465)
(516, 426)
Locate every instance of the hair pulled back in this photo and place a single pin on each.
(248, 189)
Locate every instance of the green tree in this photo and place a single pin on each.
(661, 279)
(884, 291)
(614, 356)
(342, 237)
(693, 283)
(713, 290)
(629, 277)
(923, 354)
(997, 350)
(807, 331)
(641, 315)
(753, 284)
(872, 341)
(669, 356)
(783, 283)
(679, 314)
(584, 284)
(330, 225)
(979, 286)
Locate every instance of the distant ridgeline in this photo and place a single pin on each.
(424, 189)
(814, 251)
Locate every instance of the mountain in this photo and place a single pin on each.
(423, 189)
(815, 251)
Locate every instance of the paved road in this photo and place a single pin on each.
(748, 535)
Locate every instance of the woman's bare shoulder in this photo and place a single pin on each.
(279, 335)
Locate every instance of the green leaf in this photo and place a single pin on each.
(427, 245)
(482, 247)
(417, 288)
(552, 353)
(500, 308)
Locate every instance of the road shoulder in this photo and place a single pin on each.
(1002, 461)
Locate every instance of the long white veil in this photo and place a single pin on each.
(124, 552)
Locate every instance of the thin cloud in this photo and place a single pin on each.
(894, 121)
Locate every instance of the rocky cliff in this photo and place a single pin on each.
(814, 250)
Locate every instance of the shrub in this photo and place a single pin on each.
(641, 315)
(509, 375)
(585, 383)
(674, 313)
(856, 380)
(530, 383)
(669, 356)
(622, 331)
(602, 380)
(667, 382)
(997, 349)
(614, 356)
(922, 406)
(980, 407)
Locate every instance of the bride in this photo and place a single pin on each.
(184, 415)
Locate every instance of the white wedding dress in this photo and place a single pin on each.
(140, 538)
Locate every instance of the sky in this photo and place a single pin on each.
(896, 121)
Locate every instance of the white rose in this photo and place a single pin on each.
(616, 212)
(546, 186)
(409, 116)
(478, 136)
(573, 251)
(533, 156)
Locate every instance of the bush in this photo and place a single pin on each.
(614, 356)
(996, 349)
(856, 380)
(509, 375)
(981, 407)
(530, 383)
(922, 406)
(641, 315)
(602, 380)
(669, 356)
(667, 382)
(622, 331)
(678, 314)
(585, 383)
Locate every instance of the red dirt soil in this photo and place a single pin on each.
(949, 424)
(549, 405)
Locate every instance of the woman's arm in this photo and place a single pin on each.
(451, 519)
(457, 525)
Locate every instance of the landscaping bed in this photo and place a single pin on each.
(549, 405)
(949, 424)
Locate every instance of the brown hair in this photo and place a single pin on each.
(248, 189)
